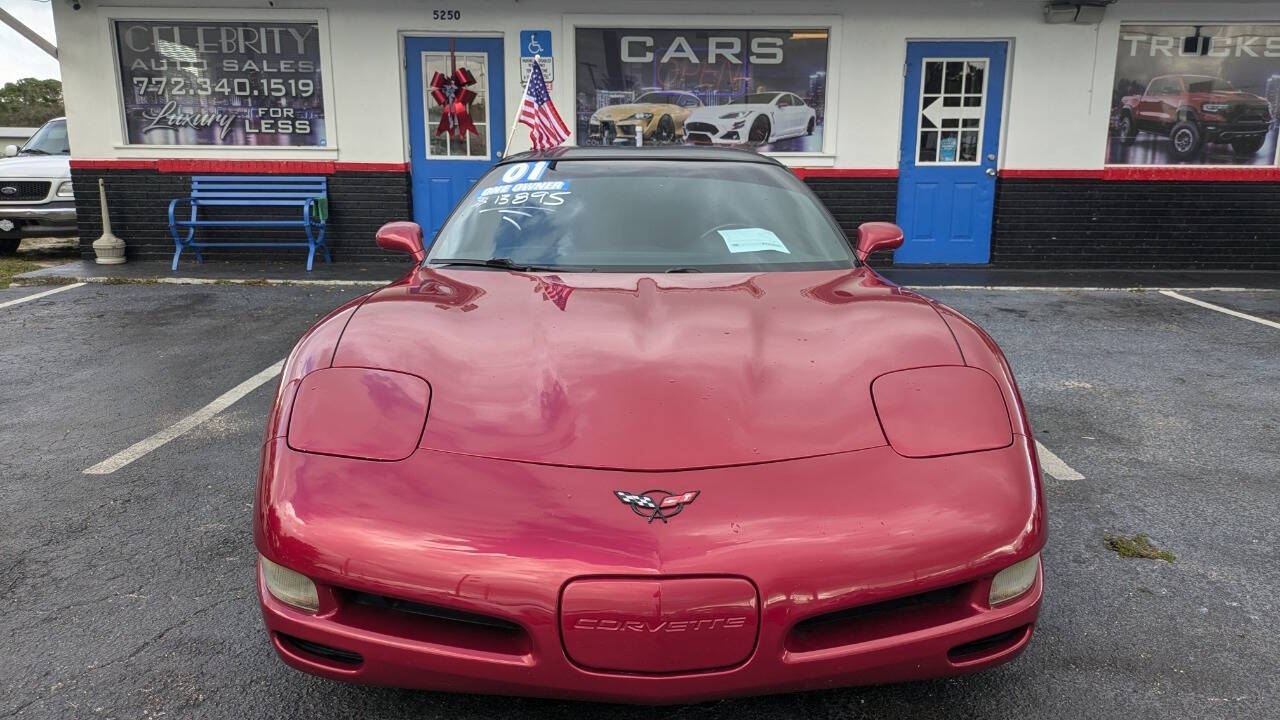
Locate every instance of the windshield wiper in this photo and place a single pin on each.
(33, 151)
(683, 270)
(500, 263)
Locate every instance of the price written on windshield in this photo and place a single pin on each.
(238, 87)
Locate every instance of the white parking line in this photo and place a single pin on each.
(1054, 465)
(1219, 308)
(39, 295)
(186, 424)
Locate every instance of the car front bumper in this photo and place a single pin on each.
(705, 133)
(41, 219)
(623, 131)
(852, 588)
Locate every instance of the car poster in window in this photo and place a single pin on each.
(762, 88)
(1195, 94)
(221, 83)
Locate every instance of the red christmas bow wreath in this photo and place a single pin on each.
(452, 94)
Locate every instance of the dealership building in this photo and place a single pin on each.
(1016, 133)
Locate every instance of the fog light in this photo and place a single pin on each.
(1014, 580)
(289, 587)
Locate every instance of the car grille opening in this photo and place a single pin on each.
(23, 190)
(876, 621)
(986, 647)
(700, 127)
(324, 652)
(433, 623)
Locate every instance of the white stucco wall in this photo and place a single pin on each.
(1056, 110)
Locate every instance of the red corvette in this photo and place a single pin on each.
(643, 427)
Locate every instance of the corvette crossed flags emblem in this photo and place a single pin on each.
(656, 504)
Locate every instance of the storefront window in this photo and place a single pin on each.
(1195, 95)
(445, 145)
(763, 88)
(221, 83)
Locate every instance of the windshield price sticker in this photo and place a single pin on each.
(752, 240)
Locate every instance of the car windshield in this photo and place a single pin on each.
(50, 139)
(754, 99)
(657, 98)
(634, 215)
(1209, 85)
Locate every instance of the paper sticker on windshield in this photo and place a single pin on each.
(752, 240)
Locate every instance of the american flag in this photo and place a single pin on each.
(539, 113)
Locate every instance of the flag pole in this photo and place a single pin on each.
(516, 121)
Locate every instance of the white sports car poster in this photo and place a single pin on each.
(759, 88)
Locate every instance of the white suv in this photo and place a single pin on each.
(35, 188)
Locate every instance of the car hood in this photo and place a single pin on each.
(1229, 97)
(714, 113)
(622, 112)
(647, 372)
(36, 166)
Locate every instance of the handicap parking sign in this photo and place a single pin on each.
(535, 43)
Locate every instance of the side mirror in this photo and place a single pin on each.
(402, 237)
(877, 236)
(10, 150)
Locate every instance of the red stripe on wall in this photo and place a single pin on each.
(1180, 173)
(803, 172)
(1188, 173)
(1052, 174)
(248, 167)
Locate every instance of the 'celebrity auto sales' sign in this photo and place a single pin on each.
(221, 83)
(763, 88)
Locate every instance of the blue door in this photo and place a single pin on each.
(952, 102)
(444, 167)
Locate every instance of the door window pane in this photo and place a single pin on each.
(951, 110)
(445, 145)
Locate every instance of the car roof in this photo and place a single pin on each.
(678, 153)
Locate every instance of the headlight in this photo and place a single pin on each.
(1014, 580)
(738, 114)
(359, 413)
(1215, 107)
(942, 410)
(289, 587)
(65, 189)
(642, 116)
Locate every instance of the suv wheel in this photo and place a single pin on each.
(1186, 140)
(1247, 146)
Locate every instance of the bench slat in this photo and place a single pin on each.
(251, 199)
(297, 186)
(239, 223)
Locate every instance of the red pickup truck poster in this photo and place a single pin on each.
(1196, 95)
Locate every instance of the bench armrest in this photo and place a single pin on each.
(173, 205)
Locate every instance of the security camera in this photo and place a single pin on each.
(75, 4)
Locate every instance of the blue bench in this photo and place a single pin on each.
(308, 194)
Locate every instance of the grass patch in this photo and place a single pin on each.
(1138, 546)
(10, 266)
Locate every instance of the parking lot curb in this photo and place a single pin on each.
(20, 281)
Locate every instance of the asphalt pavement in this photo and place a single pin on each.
(130, 595)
